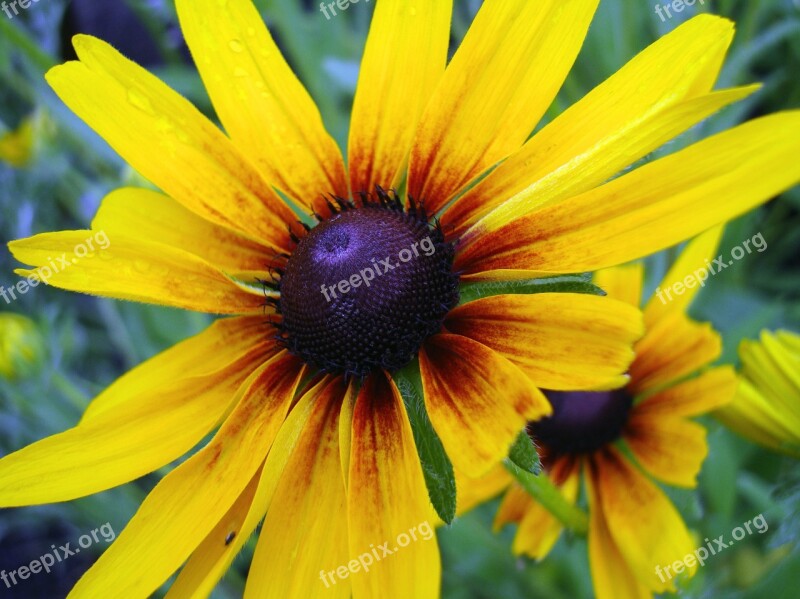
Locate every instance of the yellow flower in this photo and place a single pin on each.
(621, 439)
(766, 408)
(313, 435)
(21, 345)
(16, 147)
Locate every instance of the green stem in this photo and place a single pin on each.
(75, 396)
(26, 45)
(542, 489)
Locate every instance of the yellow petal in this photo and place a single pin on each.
(513, 507)
(788, 339)
(645, 526)
(124, 267)
(562, 341)
(190, 582)
(346, 430)
(263, 106)
(188, 503)
(477, 425)
(757, 417)
(611, 575)
(305, 531)
(539, 530)
(405, 43)
(475, 491)
(623, 283)
(231, 342)
(146, 419)
(663, 91)
(691, 270)
(387, 501)
(672, 449)
(500, 82)
(709, 391)
(773, 366)
(151, 216)
(211, 559)
(674, 347)
(168, 141)
(652, 208)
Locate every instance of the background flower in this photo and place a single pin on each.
(21, 345)
(766, 407)
(620, 443)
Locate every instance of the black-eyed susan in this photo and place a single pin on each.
(312, 430)
(766, 407)
(622, 439)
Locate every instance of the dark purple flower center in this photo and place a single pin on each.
(364, 288)
(582, 421)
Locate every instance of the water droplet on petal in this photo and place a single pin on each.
(140, 101)
(236, 46)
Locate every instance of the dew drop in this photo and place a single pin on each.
(164, 125)
(236, 46)
(140, 101)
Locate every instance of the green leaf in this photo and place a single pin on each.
(436, 466)
(564, 284)
(523, 453)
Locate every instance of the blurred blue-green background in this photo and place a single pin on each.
(79, 344)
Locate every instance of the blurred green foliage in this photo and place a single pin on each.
(89, 341)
